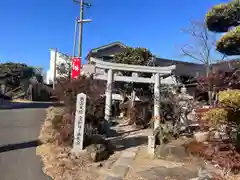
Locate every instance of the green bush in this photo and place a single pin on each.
(229, 112)
(216, 116)
(230, 99)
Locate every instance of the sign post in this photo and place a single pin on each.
(79, 122)
(76, 66)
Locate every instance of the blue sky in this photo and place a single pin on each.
(30, 27)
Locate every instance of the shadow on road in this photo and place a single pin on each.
(27, 105)
(24, 145)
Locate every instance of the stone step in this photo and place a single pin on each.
(122, 165)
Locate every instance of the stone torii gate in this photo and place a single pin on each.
(110, 77)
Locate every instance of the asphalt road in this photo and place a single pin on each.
(19, 129)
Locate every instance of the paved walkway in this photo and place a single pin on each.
(127, 140)
(19, 129)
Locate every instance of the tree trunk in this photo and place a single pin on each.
(210, 102)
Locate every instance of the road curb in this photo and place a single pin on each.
(21, 101)
(2, 107)
(18, 105)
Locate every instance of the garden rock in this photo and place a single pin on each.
(163, 173)
(98, 152)
(171, 152)
(204, 174)
(202, 136)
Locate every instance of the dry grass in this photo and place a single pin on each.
(236, 177)
(58, 161)
(60, 164)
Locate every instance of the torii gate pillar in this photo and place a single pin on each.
(108, 102)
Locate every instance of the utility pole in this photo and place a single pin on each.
(80, 22)
(75, 35)
(80, 35)
(55, 69)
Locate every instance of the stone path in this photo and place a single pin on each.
(175, 173)
(132, 162)
(122, 165)
(149, 168)
(127, 140)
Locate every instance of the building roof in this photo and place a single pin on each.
(117, 43)
(183, 67)
(173, 61)
(103, 47)
(120, 44)
(227, 65)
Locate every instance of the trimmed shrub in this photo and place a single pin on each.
(230, 99)
(229, 110)
(220, 19)
(222, 16)
(216, 116)
(229, 43)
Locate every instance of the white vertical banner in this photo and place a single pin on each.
(79, 122)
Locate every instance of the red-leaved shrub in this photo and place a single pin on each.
(67, 92)
(220, 80)
(221, 153)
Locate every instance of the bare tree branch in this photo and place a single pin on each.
(191, 55)
(203, 43)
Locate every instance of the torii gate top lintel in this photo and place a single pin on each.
(133, 68)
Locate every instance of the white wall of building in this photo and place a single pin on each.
(59, 60)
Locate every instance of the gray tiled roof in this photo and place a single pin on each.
(182, 67)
